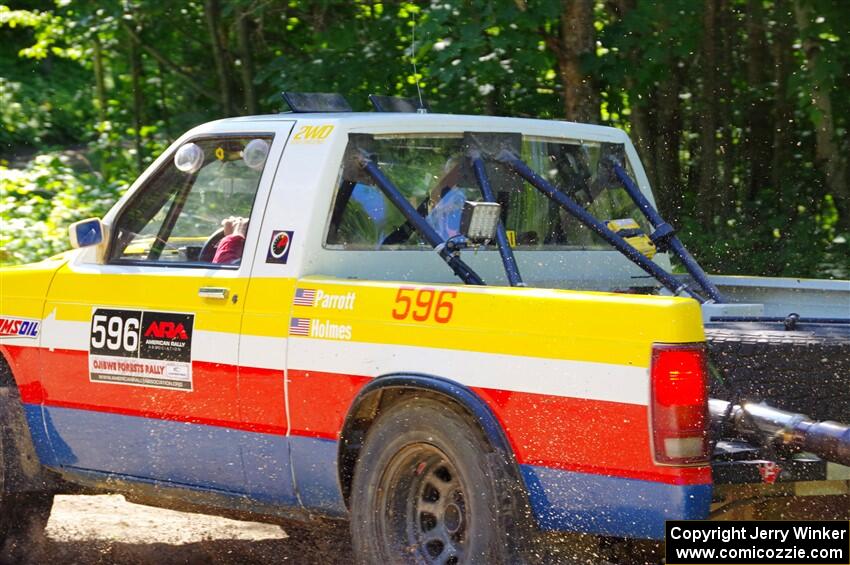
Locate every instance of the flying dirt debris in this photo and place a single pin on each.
(448, 333)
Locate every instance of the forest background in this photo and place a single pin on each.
(739, 108)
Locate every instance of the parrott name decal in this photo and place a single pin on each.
(326, 300)
(141, 348)
(19, 327)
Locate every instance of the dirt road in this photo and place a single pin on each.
(87, 530)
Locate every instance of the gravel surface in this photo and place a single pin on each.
(107, 529)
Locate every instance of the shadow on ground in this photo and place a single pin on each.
(212, 552)
(106, 529)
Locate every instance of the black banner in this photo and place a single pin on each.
(141, 348)
(758, 542)
(167, 336)
(115, 332)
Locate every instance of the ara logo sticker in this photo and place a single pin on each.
(279, 246)
(165, 329)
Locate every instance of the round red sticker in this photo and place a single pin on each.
(280, 244)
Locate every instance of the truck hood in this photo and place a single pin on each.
(23, 288)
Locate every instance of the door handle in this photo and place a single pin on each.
(216, 292)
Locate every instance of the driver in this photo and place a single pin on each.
(446, 200)
(229, 250)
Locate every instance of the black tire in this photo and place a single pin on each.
(25, 497)
(428, 488)
(23, 519)
(805, 370)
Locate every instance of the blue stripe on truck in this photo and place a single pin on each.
(614, 506)
(197, 455)
(212, 457)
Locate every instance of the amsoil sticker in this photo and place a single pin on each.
(19, 327)
(135, 347)
(279, 246)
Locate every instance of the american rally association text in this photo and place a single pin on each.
(755, 531)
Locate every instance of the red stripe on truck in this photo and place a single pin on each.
(575, 434)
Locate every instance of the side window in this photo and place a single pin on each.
(579, 168)
(429, 171)
(195, 208)
(436, 177)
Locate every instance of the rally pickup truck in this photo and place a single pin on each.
(455, 332)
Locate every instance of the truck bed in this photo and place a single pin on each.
(805, 369)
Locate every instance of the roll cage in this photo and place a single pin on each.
(497, 154)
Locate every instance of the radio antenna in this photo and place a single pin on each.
(421, 109)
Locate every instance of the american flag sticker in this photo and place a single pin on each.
(299, 326)
(304, 297)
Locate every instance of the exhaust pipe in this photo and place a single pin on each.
(762, 424)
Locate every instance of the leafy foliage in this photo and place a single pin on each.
(39, 202)
(735, 106)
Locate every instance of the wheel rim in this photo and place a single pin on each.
(422, 510)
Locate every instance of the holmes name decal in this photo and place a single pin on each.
(135, 347)
(323, 329)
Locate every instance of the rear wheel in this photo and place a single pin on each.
(428, 488)
(24, 510)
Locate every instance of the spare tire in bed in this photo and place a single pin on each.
(804, 370)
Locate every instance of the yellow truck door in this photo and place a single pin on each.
(141, 349)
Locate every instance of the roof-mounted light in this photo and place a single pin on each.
(398, 104)
(306, 102)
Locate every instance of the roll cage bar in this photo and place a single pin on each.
(501, 149)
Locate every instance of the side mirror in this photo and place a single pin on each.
(479, 220)
(86, 233)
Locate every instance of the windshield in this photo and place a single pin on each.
(436, 177)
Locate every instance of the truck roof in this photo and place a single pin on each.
(399, 122)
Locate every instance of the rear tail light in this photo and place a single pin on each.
(679, 404)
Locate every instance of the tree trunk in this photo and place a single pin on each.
(827, 153)
(163, 99)
(212, 13)
(783, 120)
(189, 80)
(726, 40)
(576, 39)
(138, 100)
(100, 100)
(669, 128)
(246, 59)
(758, 142)
(644, 130)
(707, 189)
